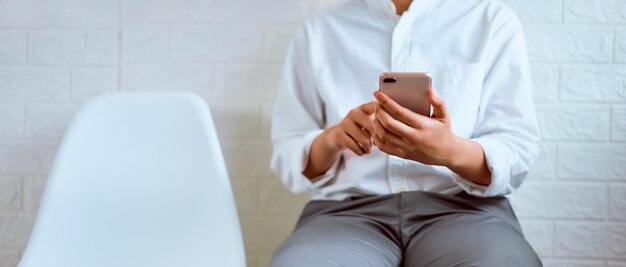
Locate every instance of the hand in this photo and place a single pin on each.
(403, 133)
(355, 131)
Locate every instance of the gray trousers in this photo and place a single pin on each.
(407, 229)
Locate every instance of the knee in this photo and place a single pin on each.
(291, 256)
(300, 250)
(290, 253)
(328, 249)
(499, 250)
(514, 253)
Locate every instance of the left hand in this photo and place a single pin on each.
(400, 132)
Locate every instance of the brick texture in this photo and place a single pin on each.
(167, 11)
(545, 167)
(564, 43)
(574, 122)
(56, 54)
(592, 161)
(193, 77)
(591, 239)
(546, 83)
(618, 129)
(14, 230)
(34, 83)
(10, 194)
(606, 11)
(617, 202)
(556, 200)
(12, 119)
(90, 81)
(74, 47)
(57, 14)
(12, 46)
(620, 46)
(9, 258)
(601, 84)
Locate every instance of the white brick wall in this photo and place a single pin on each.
(55, 54)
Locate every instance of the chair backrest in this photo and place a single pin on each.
(139, 180)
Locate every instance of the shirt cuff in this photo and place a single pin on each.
(301, 160)
(497, 157)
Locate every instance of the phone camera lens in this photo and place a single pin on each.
(389, 80)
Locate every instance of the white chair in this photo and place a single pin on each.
(139, 180)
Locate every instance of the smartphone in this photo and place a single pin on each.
(409, 89)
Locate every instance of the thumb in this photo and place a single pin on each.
(440, 111)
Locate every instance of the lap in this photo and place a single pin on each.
(469, 240)
(410, 229)
(337, 241)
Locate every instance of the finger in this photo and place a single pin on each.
(357, 133)
(363, 119)
(399, 112)
(368, 108)
(351, 144)
(397, 127)
(386, 136)
(388, 148)
(439, 106)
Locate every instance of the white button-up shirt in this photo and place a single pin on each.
(476, 55)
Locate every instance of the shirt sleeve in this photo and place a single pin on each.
(298, 118)
(506, 127)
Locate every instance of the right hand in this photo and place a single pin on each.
(355, 131)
